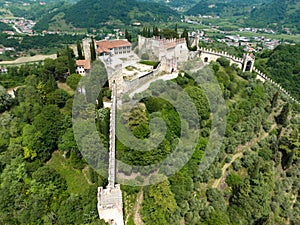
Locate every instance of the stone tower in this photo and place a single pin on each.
(86, 48)
(248, 62)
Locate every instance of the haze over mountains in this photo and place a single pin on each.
(126, 11)
(94, 13)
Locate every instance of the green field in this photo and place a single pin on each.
(76, 180)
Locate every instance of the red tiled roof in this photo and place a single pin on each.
(105, 46)
(85, 63)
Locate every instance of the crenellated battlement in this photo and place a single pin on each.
(209, 55)
(265, 78)
(221, 54)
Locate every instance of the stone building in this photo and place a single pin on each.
(169, 52)
(248, 62)
(113, 47)
(83, 67)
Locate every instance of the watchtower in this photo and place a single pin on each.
(248, 62)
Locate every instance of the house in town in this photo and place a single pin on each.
(3, 70)
(83, 67)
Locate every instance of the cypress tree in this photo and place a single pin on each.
(283, 116)
(93, 50)
(79, 50)
(128, 35)
(185, 35)
(155, 31)
(100, 100)
(144, 32)
(71, 61)
(148, 32)
(274, 100)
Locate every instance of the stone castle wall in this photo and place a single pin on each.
(129, 85)
(212, 55)
(170, 58)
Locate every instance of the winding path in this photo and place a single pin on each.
(239, 153)
(137, 217)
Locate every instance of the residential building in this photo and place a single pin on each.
(113, 47)
(83, 67)
(3, 70)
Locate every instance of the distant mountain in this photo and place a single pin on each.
(31, 9)
(95, 13)
(256, 13)
(179, 4)
(277, 13)
(224, 8)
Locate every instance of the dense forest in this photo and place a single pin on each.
(180, 4)
(254, 179)
(283, 65)
(39, 42)
(4, 27)
(274, 14)
(221, 8)
(40, 185)
(93, 13)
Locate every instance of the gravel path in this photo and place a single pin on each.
(29, 59)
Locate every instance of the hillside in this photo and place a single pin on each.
(31, 9)
(283, 65)
(94, 13)
(259, 13)
(178, 4)
(276, 14)
(254, 179)
(224, 8)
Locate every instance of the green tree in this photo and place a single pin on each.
(169, 33)
(274, 100)
(79, 51)
(283, 116)
(58, 97)
(73, 80)
(6, 101)
(93, 50)
(155, 31)
(128, 35)
(223, 62)
(163, 196)
(42, 136)
(71, 60)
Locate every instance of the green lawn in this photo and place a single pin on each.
(76, 180)
(65, 87)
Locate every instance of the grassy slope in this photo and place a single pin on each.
(76, 181)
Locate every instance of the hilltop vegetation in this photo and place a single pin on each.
(252, 180)
(283, 65)
(221, 8)
(261, 13)
(32, 9)
(94, 14)
(38, 183)
(276, 14)
(180, 4)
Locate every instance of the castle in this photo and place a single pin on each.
(169, 53)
